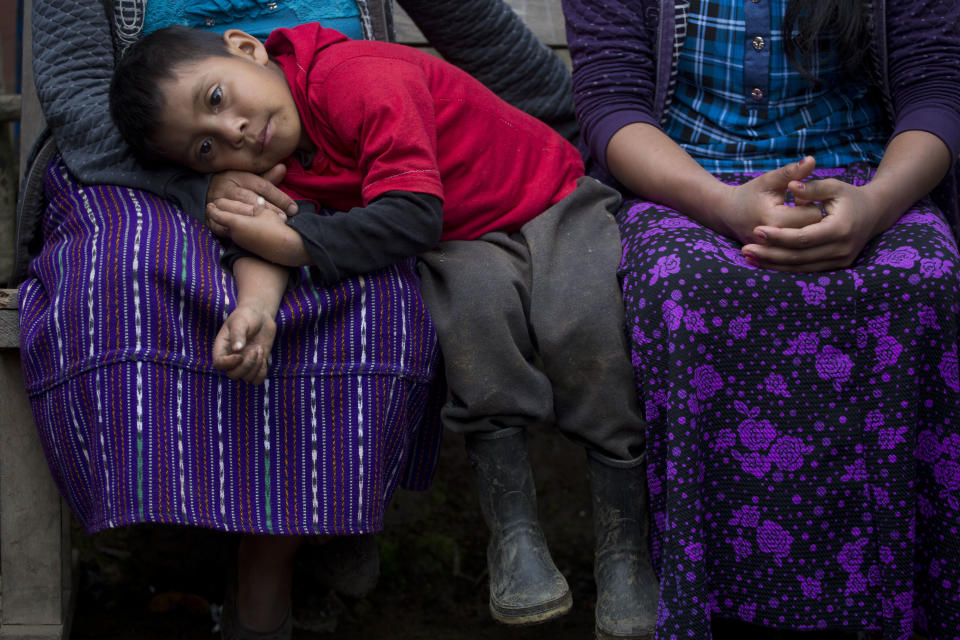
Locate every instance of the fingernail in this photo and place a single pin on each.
(283, 216)
(260, 201)
(761, 234)
(237, 346)
(292, 209)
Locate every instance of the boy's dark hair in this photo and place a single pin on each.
(135, 100)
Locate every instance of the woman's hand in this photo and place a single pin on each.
(759, 203)
(240, 192)
(913, 163)
(848, 223)
(263, 232)
(242, 346)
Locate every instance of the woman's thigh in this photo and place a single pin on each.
(117, 322)
(784, 411)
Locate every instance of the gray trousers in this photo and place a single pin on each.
(531, 326)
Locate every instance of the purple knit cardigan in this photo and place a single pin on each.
(624, 59)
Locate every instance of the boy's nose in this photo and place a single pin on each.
(235, 132)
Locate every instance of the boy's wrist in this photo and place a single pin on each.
(260, 284)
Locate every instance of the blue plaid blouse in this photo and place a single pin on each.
(739, 105)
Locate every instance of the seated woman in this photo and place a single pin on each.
(797, 362)
(120, 311)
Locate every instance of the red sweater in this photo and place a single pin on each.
(386, 117)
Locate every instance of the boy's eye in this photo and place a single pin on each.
(216, 97)
(206, 147)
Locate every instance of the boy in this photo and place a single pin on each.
(518, 260)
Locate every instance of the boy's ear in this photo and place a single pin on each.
(241, 43)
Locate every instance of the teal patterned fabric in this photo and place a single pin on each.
(257, 17)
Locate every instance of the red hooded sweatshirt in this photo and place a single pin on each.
(386, 117)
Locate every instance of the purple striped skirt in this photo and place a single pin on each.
(117, 320)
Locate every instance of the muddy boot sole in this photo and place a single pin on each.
(543, 612)
(600, 634)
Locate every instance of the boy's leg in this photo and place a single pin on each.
(577, 319)
(478, 295)
(257, 606)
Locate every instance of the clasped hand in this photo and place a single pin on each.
(827, 227)
(250, 210)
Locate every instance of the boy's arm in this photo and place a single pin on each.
(242, 346)
(398, 225)
(395, 226)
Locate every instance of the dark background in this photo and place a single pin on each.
(159, 582)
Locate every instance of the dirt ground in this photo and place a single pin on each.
(159, 583)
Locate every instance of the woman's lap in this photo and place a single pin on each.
(803, 469)
(117, 320)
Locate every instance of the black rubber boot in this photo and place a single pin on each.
(525, 585)
(627, 589)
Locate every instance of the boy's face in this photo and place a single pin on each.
(229, 112)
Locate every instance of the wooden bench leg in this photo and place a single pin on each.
(35, 556)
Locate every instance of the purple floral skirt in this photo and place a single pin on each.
(802, 429)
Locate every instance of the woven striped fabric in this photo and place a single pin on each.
(117, 321)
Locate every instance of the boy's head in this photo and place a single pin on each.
(204, 100)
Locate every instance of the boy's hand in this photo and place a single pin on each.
(263, 232)
(242, 346)
(240, 191)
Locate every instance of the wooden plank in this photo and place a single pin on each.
(9, 299)
(544, 17)
(9, 332)
(31, 526)
(9, 107)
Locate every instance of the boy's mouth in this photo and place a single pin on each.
(263, 140)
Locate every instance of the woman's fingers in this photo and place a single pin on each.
(785, 216)
(778, 179)
(274, 196)
(788, 259)
(815, 247)
(247, 189)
